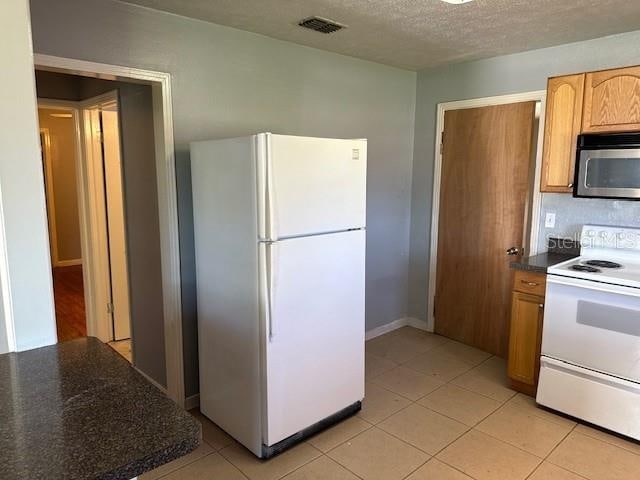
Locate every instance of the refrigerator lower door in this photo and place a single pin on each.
(314, 338)
(314, 185)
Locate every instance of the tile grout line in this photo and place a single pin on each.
(509, 444)
(561, 441)
(348, 440)
(392, 435)
(502, 404)
(444, 382)
(304, 464)
(170, 472)
(448, 382)
(541, 460)
(546, 459)
(468, 429)
(411, 402)
(592, 438)
(506, 405)
(418, 468)
(340, 463)
(553, 450)
(632, 441)
(455, 468)
(433, 457)
(482, 394)
(457, 420)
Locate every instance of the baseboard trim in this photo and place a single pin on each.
(151, 380)
(417, 323)
(396, 324)
(192, 402)
(386, 328)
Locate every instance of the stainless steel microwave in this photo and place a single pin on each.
(608, 166)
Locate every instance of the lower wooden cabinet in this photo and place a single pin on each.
(525, 338)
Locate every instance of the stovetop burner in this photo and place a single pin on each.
(585, 268)
(603, 264)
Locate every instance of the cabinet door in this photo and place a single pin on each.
(525, 338)
(562, 126)
(612, 101)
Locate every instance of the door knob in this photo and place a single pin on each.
(514, 251)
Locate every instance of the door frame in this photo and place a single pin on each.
(160, 83)
(536, 198)
(45, 146)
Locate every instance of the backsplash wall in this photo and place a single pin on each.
(572, 213)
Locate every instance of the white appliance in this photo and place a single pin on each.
(590, 365)
(279, 227)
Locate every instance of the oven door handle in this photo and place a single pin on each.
(586, 373)
(593, 285)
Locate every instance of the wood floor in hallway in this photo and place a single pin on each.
(69, 299)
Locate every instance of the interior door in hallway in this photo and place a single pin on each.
(105, 172)
(116, 222)
(486, 163)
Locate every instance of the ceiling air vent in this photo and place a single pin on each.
(321, 25)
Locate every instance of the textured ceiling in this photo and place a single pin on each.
(415, 34)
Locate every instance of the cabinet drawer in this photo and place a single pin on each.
(530, 282)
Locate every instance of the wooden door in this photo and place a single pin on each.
(612, 101)
(486, 159)
(525, 338)
(563, 121)
(116, 227)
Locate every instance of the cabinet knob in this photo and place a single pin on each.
(541, 305)
(570, 185)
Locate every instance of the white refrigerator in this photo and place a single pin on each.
(279, 224)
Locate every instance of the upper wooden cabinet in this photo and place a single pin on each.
(562, 125)
(612, 101)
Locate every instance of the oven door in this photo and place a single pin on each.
(593, 325)
(613, 173)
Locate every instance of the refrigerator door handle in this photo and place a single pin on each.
(271, 284)
(269, 194)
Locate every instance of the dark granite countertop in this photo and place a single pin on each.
(560, 250)
(540, 263)
(77, 410)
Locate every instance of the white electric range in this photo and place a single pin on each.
(590, 364)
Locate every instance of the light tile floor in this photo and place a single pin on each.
(434, 410)
(123, 347)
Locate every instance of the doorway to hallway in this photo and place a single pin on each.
(82, 166)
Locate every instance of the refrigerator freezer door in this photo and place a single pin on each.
(315, 185)
(315, 349)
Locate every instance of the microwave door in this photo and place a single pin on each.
(613, 173)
